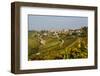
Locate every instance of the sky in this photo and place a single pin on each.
(44, 22)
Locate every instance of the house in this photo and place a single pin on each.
(76, 31)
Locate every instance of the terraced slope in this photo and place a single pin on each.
(72, 48)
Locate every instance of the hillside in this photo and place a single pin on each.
(45, 45)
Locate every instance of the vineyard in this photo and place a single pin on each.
(52, 45)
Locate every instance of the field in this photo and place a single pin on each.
(63, 44)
